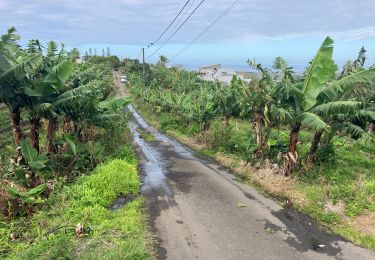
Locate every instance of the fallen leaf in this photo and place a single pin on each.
(241, 205)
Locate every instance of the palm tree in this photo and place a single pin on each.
(162, 61)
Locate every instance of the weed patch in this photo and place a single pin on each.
(111, 234)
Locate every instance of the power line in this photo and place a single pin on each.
(179, 20)
(182, 16)
(222, 15)
(139, 55)
(169, 26)
(196, 8)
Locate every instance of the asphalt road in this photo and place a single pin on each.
(199, 211)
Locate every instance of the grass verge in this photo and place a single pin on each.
(50, 234)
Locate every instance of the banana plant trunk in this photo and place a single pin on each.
(293, 138)
(34, 132)
(258, 129)
(259, 135)
(314, 146)
(291, 158)
(51, 135)
(15, 115)
(205, 126)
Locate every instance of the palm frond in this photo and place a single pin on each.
(115, 104)
(337, 107)
(27, 64)
(60, 73)
(281, 115)
(337, 88)
(354, 130)
(312, 121)
(321, 70)
(279, 63)
(365, 115)
(45, 110)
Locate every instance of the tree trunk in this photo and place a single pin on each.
(15, 115)
(293, 138)
(34, 132)
(258, 129)
(51, 134)
(291, 159)
(314, 146)
(206, 126)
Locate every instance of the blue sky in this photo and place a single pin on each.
(261, 29)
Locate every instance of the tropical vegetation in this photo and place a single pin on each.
(316, 128)
(65, 157)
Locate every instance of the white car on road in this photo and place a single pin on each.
(123, 79)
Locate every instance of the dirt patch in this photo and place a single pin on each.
(274, 184)
(338, 208)
(365, 223)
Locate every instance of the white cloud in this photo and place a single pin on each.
(141, 21)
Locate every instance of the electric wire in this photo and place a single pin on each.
(174, 33)
(182, 16)
(222, 15)
(169, 26)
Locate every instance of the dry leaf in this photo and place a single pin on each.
(241, 205)
(79, 230)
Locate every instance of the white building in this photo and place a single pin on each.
(217, 72)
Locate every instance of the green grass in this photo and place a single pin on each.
(120, 234)
(145, 135)
(347, 176)
(4, 118)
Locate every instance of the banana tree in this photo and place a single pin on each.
(256, 103)
(228, 100)
(341, 106)
(304, 97)
(307, 102)
(16, 67)
(201, 108)
(46, 87)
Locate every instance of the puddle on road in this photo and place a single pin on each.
(153, 169)
(177, 147)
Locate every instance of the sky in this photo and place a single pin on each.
(260, 29)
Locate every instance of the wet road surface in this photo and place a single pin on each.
(199, 211)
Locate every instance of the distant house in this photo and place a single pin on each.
(217, 72)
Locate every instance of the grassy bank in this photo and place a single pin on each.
(107, 234)
(338, 191)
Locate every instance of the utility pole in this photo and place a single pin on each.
(143, 66)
